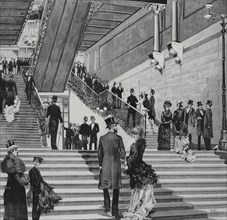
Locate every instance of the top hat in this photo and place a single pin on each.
(85, 118)
(132, 90)
(209, 102)
(54, 98)
(168, 103)
(199, 103)
(10, 144)
(39, 159)
(109, 121)
(190, 102)
(138, 131)
(92, 117)
(152, 91)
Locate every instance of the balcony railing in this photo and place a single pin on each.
(107, 103)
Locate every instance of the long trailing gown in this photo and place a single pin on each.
(142, 180)
(164, 131)
(14, 195)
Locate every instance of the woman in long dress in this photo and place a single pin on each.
(14, 195)
(164, 131)
(142, 179)
(41, 194)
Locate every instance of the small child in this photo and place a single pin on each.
(69, 135)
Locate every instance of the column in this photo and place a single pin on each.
(174, 21)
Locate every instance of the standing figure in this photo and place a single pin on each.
(5, 65)
(151, 108)
(199, 122)
(77, 143)
(18, 63)
(114, 91)
(132, 100)
(43, 197)
(10, 66)
(14, 195)
(208, 125)
(190, 119)
(85, 132)
(2, 92)
(11, 89)
(142, 179)
(178, 119)
(29, 87)
(54, 112)
(164, 131)
(110, 152)
(120, 90)
(94, 130)
(69, 135)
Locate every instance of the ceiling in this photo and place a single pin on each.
(12, 17)
(107, 17)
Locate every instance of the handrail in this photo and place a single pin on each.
(37, 105)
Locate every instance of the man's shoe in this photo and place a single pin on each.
(117, 216)
(106, 209)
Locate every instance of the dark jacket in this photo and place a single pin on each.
(208, 124)
(11, 86)
(151, 106)
(120, 90)
(132, 100)
(69, 132)
(199, 122)
(35, 179)
(114, 90)
(2, 88)
(178, 119)
(55, 113)
(29, 82)
(85, 129)
(94, 131)
(110, 152)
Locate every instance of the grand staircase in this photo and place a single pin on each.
(184, 191)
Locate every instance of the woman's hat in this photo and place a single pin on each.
(39, 159)
(138, 130)
(210, 103)
(10, 144)
(54, 98)
(168, 103)
(190, 102)
(199, 103)
(109, 121)
(132, 90)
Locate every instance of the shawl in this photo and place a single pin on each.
(12, 164)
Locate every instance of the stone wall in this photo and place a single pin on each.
(199, 77)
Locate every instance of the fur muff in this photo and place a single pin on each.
(12, 164)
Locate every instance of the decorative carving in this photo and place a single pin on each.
(156, 8)
(93, 9)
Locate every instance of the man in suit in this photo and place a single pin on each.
(208, 125)
(85, 132)
(110, 152)
(4, 65)
(120, 90)
(2, 92)
(190, 119)
(151, 112)
(55, 116)
(114, 91)
(199, 122)
(28, 89)
(132, 100)
(94, 129)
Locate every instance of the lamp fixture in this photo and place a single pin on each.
(158, 59)
(176, 50)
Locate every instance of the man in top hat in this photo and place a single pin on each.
(54, 112)
(110, 152)
(85, 132)
(190, 119)
(178, 118)
(28, 89)
(114, 91)
(35, 182)
(94, 130)
(208, 125)
(199, 122)
(132, 100)
(2, 91)
(151, 112)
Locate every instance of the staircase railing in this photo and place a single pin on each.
(38, 107)
(107, 103)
